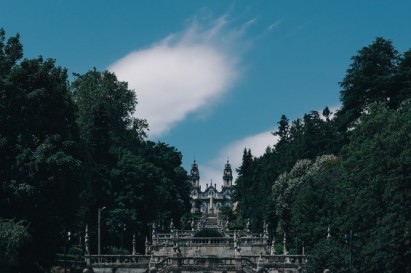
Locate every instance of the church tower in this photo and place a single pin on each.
(195, 186)
(195, 175)
(211, 200)
(227, 176)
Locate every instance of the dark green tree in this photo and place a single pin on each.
(40, 159)
(376, 171)
(107, 129)
(370, 78)
(283, 130)
(403, 80)
(139, 181)
(12, 236)
(328, 254)
(243, 185)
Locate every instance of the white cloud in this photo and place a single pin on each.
(234, 151)
(184, 73)
(274, 25)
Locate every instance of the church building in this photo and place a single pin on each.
(211, 199)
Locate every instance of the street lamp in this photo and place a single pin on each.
(99, 230)
(67, 238)
(122, 228)
(348, 239)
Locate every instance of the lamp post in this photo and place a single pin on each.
(350, 268)
(67, 238)
(348, 238)
(99, 230)
(122, 230)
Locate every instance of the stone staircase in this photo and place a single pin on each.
(211, 222)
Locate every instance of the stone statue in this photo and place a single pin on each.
(272, 250)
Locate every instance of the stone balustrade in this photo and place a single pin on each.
(140, 263)
(117, 259)
(167, 239)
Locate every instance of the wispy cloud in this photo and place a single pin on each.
(213, 170)
(184, 73)
(274, 25)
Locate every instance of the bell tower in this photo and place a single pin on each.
(227, 176)
(195, 175)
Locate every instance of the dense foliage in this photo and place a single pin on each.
(70, 149)
(349, 172)
(12, 235)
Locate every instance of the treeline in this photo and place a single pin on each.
(346, 174)
(68, 149)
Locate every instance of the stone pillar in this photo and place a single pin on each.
(172, 226)
(147, 244)
(265, 227)
(134, 245)
(87, 247)
(86, 242)
(154, 239)
(259, 261)
(237, 244)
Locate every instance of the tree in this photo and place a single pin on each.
(40, 158)
(403, 80)
(139, 181)
(100, 94)
(369, 79)
(327, 113)
(13, 234)
(328, 254)
(283, 129)
(243, 185)
(105, 108)
(316, 203)
(376, 174)
(10, 52)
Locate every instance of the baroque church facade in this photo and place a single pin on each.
(211, 200)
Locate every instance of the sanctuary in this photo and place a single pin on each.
(186, 251)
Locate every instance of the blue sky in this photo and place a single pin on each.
(212, 77)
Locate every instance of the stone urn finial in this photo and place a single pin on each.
(285, 252)
(265, 227)
(272, 250)
(172, 226)
(247, 226)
